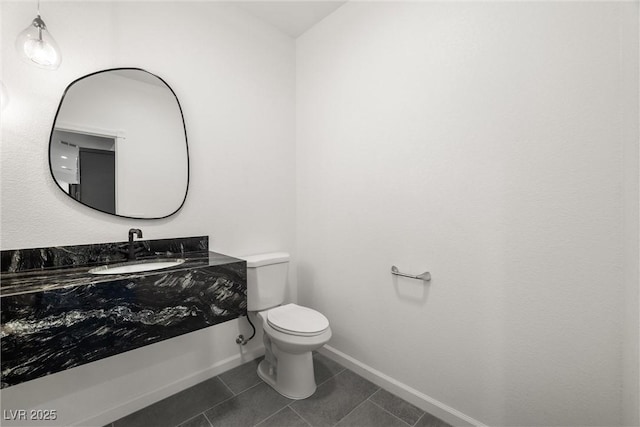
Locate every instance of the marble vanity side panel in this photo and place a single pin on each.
(51, 331)
(15, 260)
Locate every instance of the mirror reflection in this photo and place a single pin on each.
(119, 144)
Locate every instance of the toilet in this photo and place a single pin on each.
(291, 331)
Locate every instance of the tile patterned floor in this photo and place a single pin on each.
(240, 398)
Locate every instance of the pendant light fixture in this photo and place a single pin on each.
(36, 46)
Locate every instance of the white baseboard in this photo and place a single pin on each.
(411, 395)
(167, 390)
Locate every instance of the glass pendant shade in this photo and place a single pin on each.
(36, 46)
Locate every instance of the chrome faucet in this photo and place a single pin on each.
(133, 232)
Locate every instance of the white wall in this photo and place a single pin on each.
(630, 126)
(484, 142)
(234, 76)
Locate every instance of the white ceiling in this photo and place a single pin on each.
(291, 17)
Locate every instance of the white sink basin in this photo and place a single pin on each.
(137, 266)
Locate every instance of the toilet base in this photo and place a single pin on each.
(293, 377)
(288, 363)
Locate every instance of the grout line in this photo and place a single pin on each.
(184, 420)
(421, 416)
(349, 413)
(189, 419)
(265, 419)
(225, 384)
(249, 388)
(332, 376)
(252, 386)
(297, 413)
(271, 415)
(379, 388)
(390, 413)
(229, 398)
(220, 403)
(207, 418)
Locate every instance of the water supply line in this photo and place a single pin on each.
(241, 340)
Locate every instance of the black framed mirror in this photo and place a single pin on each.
(119, 144)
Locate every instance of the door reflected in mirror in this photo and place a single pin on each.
(119, 144)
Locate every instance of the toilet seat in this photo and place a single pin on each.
(296, 320)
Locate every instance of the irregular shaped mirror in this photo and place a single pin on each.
(119, 144)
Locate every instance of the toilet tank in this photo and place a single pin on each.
(266, 280)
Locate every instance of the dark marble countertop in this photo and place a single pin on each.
(56, 315)
(30, 281)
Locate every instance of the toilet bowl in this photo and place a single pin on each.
(291, 331)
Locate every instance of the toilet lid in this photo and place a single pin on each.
(296, 320)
